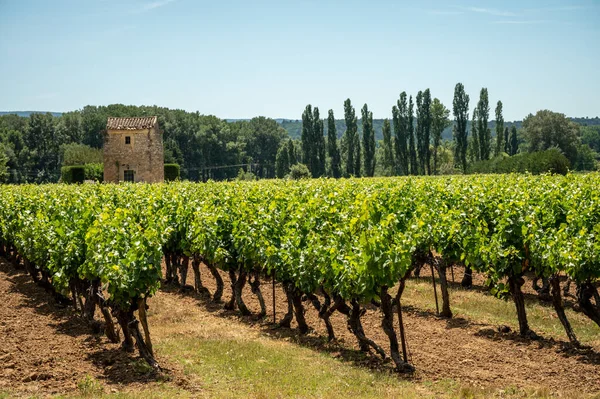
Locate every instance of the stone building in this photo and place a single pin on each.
(133, 150)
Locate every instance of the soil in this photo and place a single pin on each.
(47, 349)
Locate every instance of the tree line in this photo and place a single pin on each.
(412, 141)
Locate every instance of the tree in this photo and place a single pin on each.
(475, 144)
(412, 151)
(80, 154)
(514, 141)
(499, 129)
(548, 129)
(423, 131)
(388, 151)
(319, 143)
(506, 140)
(368, 141)
(440, 120)
(483, 115)
(335, 160)
(357, 155)
(349, 138)
(400, 120)
(292, 152)
(460, 108)
(282, 161)
(3, 165)
(308, 146)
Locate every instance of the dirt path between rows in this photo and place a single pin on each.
(46, 349)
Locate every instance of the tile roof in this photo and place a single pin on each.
(144, 122)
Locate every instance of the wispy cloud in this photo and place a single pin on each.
(492, 11)
(521, 22)
(155, 4)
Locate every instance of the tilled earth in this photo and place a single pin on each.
(46, 349)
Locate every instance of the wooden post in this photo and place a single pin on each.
(274, 318)
(402, 336)
(437, 306)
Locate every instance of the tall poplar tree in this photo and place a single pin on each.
(476, 146)
(440, 120)
(319, 145)
(335, 161)
(306, 137)
(506, 140)
(483, 115)
(410, 131)
(349, 137)
(368, 142)
(400, 120)
(499, 129)
(514, 141)
(357, 155)
(424, 131)
(388, 152)
(460, 107)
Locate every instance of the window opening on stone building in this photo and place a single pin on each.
(127, 139)
(128, 175)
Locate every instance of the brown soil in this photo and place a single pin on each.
(473, 353)
(46, 349)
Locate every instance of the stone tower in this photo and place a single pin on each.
(133, 150)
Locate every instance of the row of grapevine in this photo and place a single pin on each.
(337, 243)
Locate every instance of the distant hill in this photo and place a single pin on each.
(25, 114)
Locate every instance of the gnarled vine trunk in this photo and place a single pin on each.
(441, 267)
(554, 283)
(255, 286)
(515, 283)
(585, 292)
(215, 273)
(289, 316)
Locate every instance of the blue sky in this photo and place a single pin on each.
(243, 58)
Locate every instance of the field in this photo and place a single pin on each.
(344, 256)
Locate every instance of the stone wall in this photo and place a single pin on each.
(144, 155)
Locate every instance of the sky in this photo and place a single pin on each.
(244, 58)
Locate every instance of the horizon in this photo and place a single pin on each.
(239, 60)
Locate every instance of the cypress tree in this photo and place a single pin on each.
(460, 107)
(357, 155)
(419, 134)
(368, 142)
(282, 161)
(332, 146)
(292, 154)
(483, 115)
(412, 151)
(349, 137)
(400, 115)
(476, 146)
(499, 129)
(439, 121)
(388, 152)
(514, 141)
(319, 145)
(308, 147)
(506, 140)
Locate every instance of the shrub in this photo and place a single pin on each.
(247, 176)
(299, 171)
(80, 173)
(549, 161)
(172, 171)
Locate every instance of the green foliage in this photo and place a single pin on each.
(80, 154)
(460, 106)
(412, 151)
(313, 141)
(80, 173)
(3, 166)
(440, 120)
(350, 140)
(400, 120)
(423, 131)
(388, 150)
(335, 160)
(547, 129)
(368, 142)
(499, 129)
(586, 158)
(245, 176)
(299, 171)
(549, 161)
(172, 172)
(483, 131)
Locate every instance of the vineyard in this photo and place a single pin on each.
(335, 245)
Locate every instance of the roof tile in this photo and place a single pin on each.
(144, 122)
